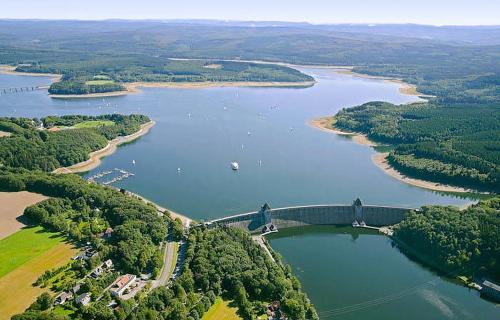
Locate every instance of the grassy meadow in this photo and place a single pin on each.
(93, 124)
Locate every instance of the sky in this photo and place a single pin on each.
(434, 12)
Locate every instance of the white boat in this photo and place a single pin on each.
(355, 224)
(235, 166)
(133, 162)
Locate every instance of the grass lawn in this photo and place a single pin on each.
(24, 256)
(98, 82)
(93, 124)
(63, 311)
(221, 310)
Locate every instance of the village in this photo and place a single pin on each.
(116, 286)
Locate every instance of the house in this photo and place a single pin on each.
(96, 273)
(63, 297)
(108, 263)
(76, 288)
(490, 290)
(108, 232)
(83, 299)
(121, 284)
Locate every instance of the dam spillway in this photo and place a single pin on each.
(289, 217)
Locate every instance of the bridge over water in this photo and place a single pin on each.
(21, 89)
(267, 219)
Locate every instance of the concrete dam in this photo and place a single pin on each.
(267, 219)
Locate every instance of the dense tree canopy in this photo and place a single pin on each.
(226, 261)
(456, 241)
(456, 144)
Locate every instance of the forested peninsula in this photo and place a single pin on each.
(455, 144)
(103, 75)
(52, 142)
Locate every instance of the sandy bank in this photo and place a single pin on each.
(404, 87)
(325, 124)
(134, 86)
(6, 69)
(186, 221)
(13, 205)
(95, 157)
(90, 95)
(4, 134)
(380, 160)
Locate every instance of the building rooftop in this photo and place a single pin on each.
(491, 285)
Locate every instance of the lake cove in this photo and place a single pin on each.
(183, 163)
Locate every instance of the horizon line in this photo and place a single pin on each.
(167, 20)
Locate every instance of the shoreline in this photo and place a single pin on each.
(89, 95)
(325, 124)
(404, 87)
(380, 159)
(135, 87)
(95, 157)
(7, 69)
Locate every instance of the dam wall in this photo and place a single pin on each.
(280, 218)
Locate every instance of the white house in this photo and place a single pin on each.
(121, 284)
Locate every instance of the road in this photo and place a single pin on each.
(168, 260)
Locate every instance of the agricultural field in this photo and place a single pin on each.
(98, 82)
(13, 205)
(221, 310)
(25, 255)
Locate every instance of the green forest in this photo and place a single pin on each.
(457, 242)
(455, 143)
(33, 145)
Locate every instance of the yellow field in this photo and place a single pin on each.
(16, 290)
(221, 311)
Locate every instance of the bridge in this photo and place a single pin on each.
(21, 89)
(270, 220)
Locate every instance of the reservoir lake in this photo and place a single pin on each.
(183, 164)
